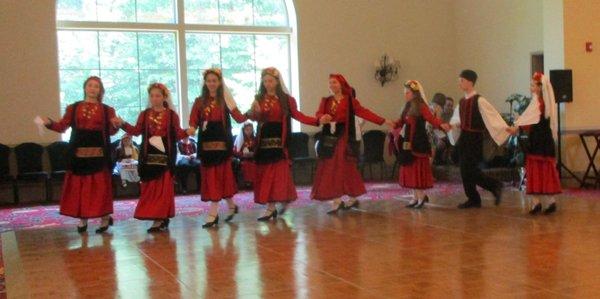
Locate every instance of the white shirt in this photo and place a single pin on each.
(492, 119)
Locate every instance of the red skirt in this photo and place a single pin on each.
(416, 175)
(542, 176)
(274, 183)
(157, 200)
(217, 182)
(337, 176)
(87, 196)
(248, 171)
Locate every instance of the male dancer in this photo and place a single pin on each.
(474, 115)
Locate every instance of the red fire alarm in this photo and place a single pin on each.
(589, 47)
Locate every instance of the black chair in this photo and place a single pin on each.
(5, 177)
(29, 166)
(396, 166)
(58, 154)
(373, 142)
(299, 153)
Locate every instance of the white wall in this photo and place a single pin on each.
(337, 37)
(496, 39)
(28, 68)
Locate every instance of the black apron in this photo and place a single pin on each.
(419, 143)
(214, 144)
(88, 149)
(328, 141)
(153, 163)
(270, 144)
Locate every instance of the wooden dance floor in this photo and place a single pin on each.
(382, 250)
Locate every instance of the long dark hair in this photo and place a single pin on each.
(97, 79)
(206, 93)
(414, 105)
(262, 91)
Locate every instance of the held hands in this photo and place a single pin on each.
(390, 124)
(325, 119)
(446, 127)
(191, 131)
(512, 130)
(116, 121)
(256, 107)
(46, 120)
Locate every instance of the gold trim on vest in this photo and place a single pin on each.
(157, 159)
(89, 152)
(270, 143)
(214, 146)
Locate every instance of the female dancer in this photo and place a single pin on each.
(160, 130)
(87, 190)
(337, 171)
(274, 108)
(211, 112)
(414, 147)
(541, 121)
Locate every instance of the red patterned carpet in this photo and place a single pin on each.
(47, 216)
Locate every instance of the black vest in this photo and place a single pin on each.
(153, 163)
(470, 117)
(541, 142)
(215, 143)
(271, 146)
(84, 140)
(328, 142)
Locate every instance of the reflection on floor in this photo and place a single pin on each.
(382, 250)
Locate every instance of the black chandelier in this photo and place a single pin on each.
(386, 69)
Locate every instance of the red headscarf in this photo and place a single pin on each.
(346, 88)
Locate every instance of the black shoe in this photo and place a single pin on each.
(498, 195)
(550, 209)
(334, 211)
(355, 204)
(212, 223)
(419, 205)
(230, 216)
(268, 217)
(155, 229)
(536, 209)
(469, 204)
(284, 209)
(165, 223)
(82, 229)
(412, 204)
(105, 228)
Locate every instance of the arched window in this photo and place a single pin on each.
(132, 43)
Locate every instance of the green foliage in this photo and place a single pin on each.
(127, 61)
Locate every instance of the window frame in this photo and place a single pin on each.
(180, 28)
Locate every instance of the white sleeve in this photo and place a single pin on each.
(531, 115)
(493, 121)
(455, 120)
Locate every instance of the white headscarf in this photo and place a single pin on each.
(272, 71)
(227, 96)
(550, 105)
(241, 138)
(532, 114)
